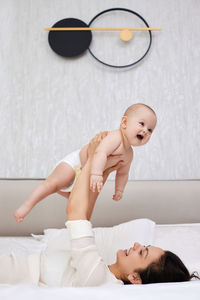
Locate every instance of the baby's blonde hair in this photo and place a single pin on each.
(135, 107)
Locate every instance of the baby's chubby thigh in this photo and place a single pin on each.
(62, 176)
(65, 171)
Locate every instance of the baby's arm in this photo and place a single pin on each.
(107, 146)
(121, 179)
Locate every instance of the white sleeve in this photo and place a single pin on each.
(89, 266)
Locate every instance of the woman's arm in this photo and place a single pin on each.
(77, 207)
(78, 203)
(81, 201)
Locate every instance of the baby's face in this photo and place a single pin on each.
(139, 127)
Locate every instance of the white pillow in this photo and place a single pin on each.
(183, 240)
(108, 239)
(123, 236)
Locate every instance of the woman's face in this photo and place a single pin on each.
(137, 257)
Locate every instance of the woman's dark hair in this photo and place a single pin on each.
(169, 268)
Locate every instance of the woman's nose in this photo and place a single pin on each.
(136, 245)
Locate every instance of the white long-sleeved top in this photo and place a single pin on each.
(80, 265)
(90, 269)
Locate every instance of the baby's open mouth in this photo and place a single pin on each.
(139, 136)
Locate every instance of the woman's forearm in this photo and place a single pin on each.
(78, 203)
(81, 201)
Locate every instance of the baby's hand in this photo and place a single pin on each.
(96, 181)
(117, 196)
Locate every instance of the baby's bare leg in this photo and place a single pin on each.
(64, 194)
(61, 177)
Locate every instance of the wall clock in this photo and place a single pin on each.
(116, 37)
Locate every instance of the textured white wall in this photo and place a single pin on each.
(50, 106)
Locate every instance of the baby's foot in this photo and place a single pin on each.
(21, 212)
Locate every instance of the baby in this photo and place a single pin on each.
(137, 125)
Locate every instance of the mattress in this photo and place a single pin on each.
(182, 239)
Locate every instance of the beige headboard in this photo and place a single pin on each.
(162, 201)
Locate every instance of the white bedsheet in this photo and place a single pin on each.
(158, 291)
(183, 239)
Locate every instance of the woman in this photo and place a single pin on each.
(138, 265)
(83, 266)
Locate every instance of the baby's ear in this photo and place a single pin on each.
(124, 122)
(135, 278)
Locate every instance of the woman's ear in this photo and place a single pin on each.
(135, 278)
(124, 122)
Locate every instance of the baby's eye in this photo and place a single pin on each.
(140, 252)
(141, 123)
(150, 130)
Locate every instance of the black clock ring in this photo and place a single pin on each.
(133, 12)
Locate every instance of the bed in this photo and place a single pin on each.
(173, 205)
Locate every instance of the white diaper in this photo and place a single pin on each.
(73, 160)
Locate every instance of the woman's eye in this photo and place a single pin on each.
(142, 123)
(140, 252)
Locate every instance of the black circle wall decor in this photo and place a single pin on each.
(69, 43)
(71, 37)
